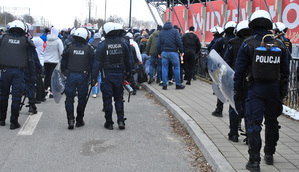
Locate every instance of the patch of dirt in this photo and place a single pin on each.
(198, 160)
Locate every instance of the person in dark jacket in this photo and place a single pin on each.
(151, 50)
(217, 33)
(220, 47)
(242, 32)
(112, 71)
(192, 45)
(76, 64)
(15, 56)
(168, 45)
(268, 82)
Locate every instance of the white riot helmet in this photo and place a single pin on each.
(229, 27)
(81, 33)
(280, 27)
(260, 18)
(109, 27)
(242, 29)
(17, 26)
(217, 30)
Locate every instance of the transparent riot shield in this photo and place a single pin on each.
(222, 75)
(57, 83)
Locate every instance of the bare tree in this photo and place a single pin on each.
(28, 19)
(77, 23)
(5, 18)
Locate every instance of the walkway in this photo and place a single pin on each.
(193, 106)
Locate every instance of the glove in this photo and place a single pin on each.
(238, 98)
(283, 87)
(32, 80)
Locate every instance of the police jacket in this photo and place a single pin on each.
(151, 48)
(77, 57)
(221, 44)
(119, 53)
(231, 52)
(244, 60)
(15, 52)
(191, 43)
(169, 40)
(216, 37)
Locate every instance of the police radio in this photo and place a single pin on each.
(266, 61)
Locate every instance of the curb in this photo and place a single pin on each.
(211, 153)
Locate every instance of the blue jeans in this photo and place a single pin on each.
(96, 89)
(146, 62)
(152, 66)
(172, 57)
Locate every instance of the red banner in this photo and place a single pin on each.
(289, 16)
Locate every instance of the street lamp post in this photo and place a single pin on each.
(130, 14)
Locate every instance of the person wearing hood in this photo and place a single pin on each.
(192, 45)
(151, 50)
(168, 44)
(52, 56)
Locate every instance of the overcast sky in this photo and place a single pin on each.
(61, 13)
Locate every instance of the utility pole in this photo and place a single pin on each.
(89, 7)
(130, 14)
(105, 11)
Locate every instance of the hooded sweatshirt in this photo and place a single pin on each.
(54, 47)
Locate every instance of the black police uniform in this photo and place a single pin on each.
(268, 73)
(15, 56)
(76, 64)
(113, 60)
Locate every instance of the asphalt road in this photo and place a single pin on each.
(45, 144)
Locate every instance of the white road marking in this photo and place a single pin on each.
(30, 124)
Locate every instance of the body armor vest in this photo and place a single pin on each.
(78, 58)
(13, 51)
(236, 44)
(265, 61)
(114, 57)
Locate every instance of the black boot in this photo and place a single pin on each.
(108, 125)
(71, 124)
(32, 109)
(217, 112)
(253, 164)
(14, 125)
(80, 123)
(269, 159)
(121, 124)
(233, 137)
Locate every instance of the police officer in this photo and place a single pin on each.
(76, 64)
(14, 58)
(268, 75)
(280, 28)
(242, 31)
(217, 33)
(113, 60)
(220, 47)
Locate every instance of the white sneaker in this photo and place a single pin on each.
(94, 95)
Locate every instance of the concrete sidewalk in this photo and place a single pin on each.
(193, 107)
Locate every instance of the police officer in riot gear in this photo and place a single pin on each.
(14, 58)
(242, 31)
(113, 60)
(76, 64)
(217, 33)
(220, 47)
(280, 28)
(267, 62)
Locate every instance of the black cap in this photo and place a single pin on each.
(159, 27)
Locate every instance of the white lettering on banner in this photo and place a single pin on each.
(208, 21)
(215, 18)
(235, 15)
(267, 59)
(199, 20)
(78, 52)
(14, 41)
(285, 20)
